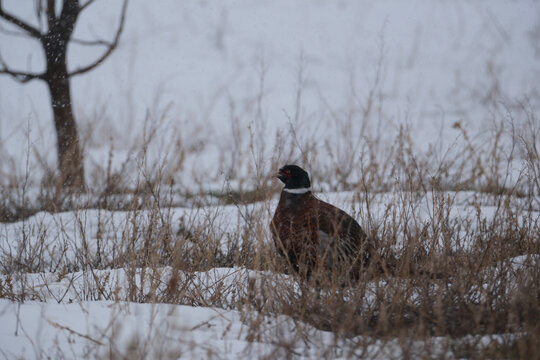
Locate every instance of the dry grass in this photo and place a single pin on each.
(454, 280)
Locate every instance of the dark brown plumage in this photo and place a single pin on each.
(313, 234)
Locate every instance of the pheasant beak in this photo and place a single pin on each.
(281, 176)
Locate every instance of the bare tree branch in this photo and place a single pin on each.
(91, 42)
(85, 5)
(19, 23)
(17, 33)
(50, 14)
(20, 76)
(111, 46)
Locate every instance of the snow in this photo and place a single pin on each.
(223, 85)
(196, 70)
(155, 331)
(83, 313)
(62, 238)
(93, 329)
(115, 329)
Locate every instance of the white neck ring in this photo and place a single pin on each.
(297, 191)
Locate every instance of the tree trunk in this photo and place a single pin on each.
(70, 159)
(55, 40)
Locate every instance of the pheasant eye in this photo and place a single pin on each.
(287, 173)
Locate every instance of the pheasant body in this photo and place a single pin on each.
(311, 233)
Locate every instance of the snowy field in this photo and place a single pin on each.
(418, 118)
(80, 302)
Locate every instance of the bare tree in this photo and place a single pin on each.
(54, 33)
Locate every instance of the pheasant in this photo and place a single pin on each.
(314, 235)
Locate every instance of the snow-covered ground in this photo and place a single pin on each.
(111, 330)
(62, 238)
(105, 329)
(84, 313)
(114, 329)
(229, 90)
